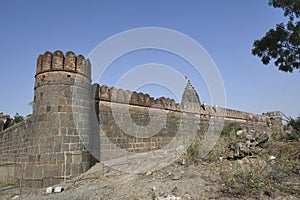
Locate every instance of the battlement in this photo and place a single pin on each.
(57, 61)
(112, 94)
(193, 105)
(273, 114)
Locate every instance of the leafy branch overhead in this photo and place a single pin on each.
(282, 44)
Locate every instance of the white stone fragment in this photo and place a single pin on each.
(58, 189)
(180, 149)
(271, 157)
(239, 132)
(148, 173)
(249, 137)
(248, 144)
(49, 190)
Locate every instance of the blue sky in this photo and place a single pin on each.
(226, 29)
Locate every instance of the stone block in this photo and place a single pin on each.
(32, 183)
(75, 169)
(44, 158)
(28, 172)
(76, 158)
(38, 172)
(49, 181)
(52, 171)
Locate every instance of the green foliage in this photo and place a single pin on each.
(291, 7)
(293, 129)
(240, 183)
(283, 43)
(290, 166)
(18, 118)
(193, 150)
(295, 124)
(227, 136)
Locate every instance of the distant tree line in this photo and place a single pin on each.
(293, 128)
(6, 121)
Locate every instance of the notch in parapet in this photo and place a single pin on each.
(57, 61)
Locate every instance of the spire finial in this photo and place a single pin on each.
(186, 78)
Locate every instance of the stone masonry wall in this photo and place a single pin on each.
(61, 138)
(60, 113)
(15, 144)
(124, 117)
(47, 148)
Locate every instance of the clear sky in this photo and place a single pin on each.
(226, 29)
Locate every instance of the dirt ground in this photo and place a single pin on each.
(203, 180)
(272, 171)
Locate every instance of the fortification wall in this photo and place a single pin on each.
(48, 148)
(52, 145)
(15, 144)
(124, 118)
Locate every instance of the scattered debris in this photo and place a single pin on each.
(239, 132)
(271, 157)
(153, 188)
(251, 145)
(177, 176)
(180, 149)
(148, 173)
(249, 137)
(169, 197)
(183, 162)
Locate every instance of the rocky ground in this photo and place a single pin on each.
(197, 181)
(238, 168)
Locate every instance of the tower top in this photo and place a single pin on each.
(57, 61)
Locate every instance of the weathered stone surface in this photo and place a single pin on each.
(58, 60)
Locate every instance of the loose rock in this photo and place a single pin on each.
(49, 190)
(58, 189)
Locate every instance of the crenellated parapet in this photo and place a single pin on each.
(57, 61)
(191, 105)
(112, 94)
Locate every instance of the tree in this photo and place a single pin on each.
(293, 128)
(18, 118)
(295, 124)
(282, 44)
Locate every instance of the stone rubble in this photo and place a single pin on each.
(249, 146)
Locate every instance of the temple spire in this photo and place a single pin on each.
(190, 95)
